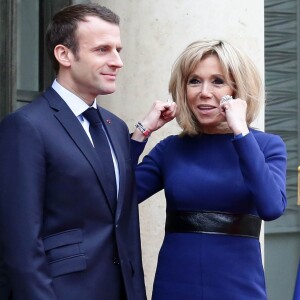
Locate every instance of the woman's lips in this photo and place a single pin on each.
(206, 107)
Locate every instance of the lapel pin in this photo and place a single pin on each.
(108, 121)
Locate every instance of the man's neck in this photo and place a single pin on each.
(89, 100)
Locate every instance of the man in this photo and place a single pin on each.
(68, 232)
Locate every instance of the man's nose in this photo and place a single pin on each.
(116, 60)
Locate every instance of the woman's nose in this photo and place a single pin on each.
(206, 89)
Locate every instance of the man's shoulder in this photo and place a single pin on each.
(34, 109)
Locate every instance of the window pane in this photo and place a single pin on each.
(28, 45)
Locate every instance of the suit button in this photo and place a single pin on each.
(116, 261)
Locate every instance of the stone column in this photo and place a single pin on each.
(153, 35)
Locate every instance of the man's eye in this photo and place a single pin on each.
(102, 49)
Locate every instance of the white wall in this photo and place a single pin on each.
(153, 35)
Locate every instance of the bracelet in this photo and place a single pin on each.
(146, 132)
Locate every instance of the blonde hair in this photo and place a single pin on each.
(239, 71)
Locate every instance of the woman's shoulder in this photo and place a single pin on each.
(266, 138)
(259, 134)
(167, 141)
(165, 144)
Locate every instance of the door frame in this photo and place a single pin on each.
(7, 55)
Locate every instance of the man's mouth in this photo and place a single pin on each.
(111, 76)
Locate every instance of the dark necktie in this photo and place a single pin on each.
(103, 150)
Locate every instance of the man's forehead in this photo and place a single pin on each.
(95, 30)
(93, 23)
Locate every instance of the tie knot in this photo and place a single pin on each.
(92, 115)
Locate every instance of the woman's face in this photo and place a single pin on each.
(205, 88)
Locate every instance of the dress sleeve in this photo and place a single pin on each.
(263, 163)
(149, 173)
(136, 150)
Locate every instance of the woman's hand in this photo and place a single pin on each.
(234, 111)
(160, 113)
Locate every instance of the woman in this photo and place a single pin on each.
(221, 178)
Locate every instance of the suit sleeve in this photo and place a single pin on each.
(22, 188)
(263, 166)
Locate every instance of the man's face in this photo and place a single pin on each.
(94, 69)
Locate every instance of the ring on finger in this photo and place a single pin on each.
(225, 99)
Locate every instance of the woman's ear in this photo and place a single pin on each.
(63, 55)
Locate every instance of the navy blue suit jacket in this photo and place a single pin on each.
(60, 238)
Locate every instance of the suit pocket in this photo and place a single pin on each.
(64, 252)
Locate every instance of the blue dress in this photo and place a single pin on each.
(214, 172)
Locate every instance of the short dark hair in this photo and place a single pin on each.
(63, 25)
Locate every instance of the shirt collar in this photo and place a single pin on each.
(76, 104)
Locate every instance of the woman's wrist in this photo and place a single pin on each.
(141, 133)
(144, 130)
(240, 133)
(241, 130)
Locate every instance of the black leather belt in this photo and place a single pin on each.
(213, 222)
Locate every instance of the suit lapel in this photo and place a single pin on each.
(75, 130)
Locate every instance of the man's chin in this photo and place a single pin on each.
(107, 91)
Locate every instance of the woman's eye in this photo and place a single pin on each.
(193, 81)
(218, 81)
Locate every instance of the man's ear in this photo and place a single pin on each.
(63, 55)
